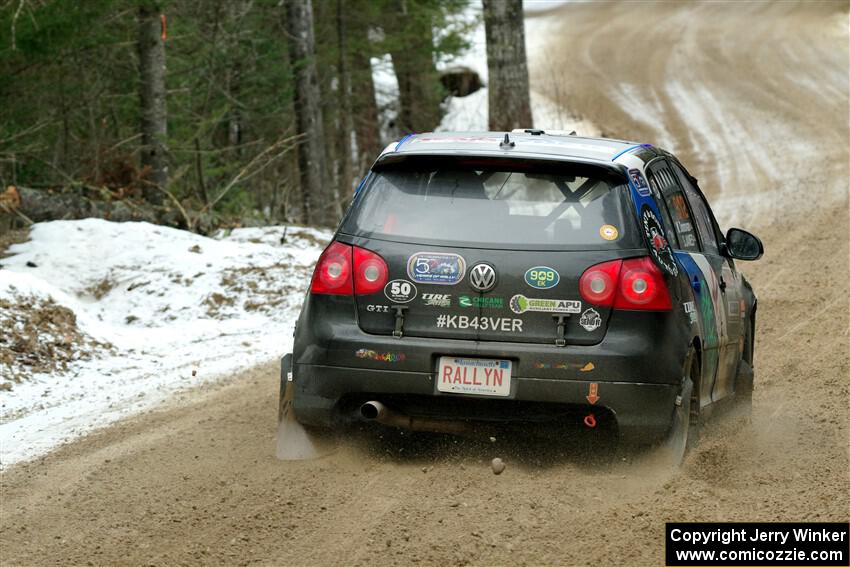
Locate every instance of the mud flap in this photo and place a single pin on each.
(294, 442)
(677, 442)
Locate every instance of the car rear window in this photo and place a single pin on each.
(512, 204)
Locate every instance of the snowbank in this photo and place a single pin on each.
(154, 310)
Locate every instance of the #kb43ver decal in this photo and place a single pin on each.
(504, 324)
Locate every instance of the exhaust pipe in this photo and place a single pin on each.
(378, 412)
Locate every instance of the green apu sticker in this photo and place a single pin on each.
(542, 277)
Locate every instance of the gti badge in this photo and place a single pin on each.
(482, 277)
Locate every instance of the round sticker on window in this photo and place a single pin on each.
(608, 232)
(658, 244)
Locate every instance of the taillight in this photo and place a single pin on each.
(642, 286)
(370, 272)
(635, 284)
(332, 275)
(598, 283)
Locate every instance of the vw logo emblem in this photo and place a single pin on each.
(482, 277)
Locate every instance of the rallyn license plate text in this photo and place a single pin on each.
(505, 324)
(474, 376)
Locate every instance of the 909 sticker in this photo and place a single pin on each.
(542, 277)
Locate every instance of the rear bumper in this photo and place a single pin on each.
(326, 396)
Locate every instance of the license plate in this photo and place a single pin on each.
(481, 376)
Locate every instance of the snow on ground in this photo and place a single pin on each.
(177, 309)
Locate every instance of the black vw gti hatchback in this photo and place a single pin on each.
(526, 277)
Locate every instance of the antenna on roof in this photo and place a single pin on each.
(507, 143)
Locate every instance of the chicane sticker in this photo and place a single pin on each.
(608, 232)
(438, 268)
(482, 301)
(658, 245)
(640, 182)
(521, 304)
(437, 299)
(400, 291)
(381, 356)
(504, 324)
(590, 320)
(542, 277)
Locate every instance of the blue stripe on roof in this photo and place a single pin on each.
(626, 150)
(403, 140)
(362, 183)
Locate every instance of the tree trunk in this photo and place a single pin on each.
(420, 90)
(236, 10)
(152, 100)
(316, 198)
(364, 106)
(346, 133)
(506, 65)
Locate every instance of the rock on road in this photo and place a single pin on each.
(754, 98)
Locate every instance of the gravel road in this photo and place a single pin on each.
(754, 97)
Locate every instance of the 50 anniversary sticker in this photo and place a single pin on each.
(400, 291)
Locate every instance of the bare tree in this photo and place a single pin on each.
(346, 123)
(364, 107)
(506, 65)
(316, 197)
(152, 98)
(420, 91)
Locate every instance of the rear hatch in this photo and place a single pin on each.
(490, 249)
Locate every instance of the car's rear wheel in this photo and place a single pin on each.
(684, 431)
